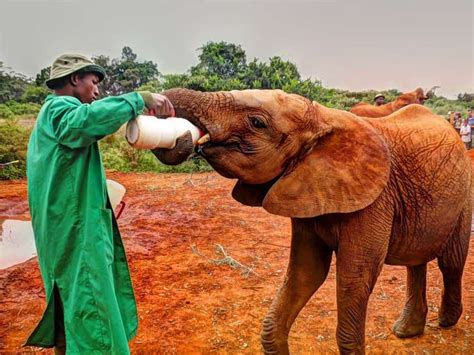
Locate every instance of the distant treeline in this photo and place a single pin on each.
(221, 66)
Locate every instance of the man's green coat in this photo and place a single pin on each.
(79, 247)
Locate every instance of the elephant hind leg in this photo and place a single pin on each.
(413, 318)
(309, 264)
(451, 263)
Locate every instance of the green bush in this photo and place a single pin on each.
(442, 106)
(23, 108)
(152, 86)
(35, 94)
(13, 143)
(5, 111)
(117, 154)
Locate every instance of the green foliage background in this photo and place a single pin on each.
(221, 66)
(13, 143)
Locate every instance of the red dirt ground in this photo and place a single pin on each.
(188, 304)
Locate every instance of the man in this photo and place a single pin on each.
(470, 122)
(465, 133)
(451, 117)
(379, 100)
(457, 121)
(90, 302)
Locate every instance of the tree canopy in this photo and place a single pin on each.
(126, 73)
(220, 66)
(12, 84)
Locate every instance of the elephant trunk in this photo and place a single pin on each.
(197, 107)
(200, 108)
(431, 92)
(189, 104)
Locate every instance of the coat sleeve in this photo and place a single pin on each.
(78, 125)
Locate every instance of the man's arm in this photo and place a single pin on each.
(79, 125)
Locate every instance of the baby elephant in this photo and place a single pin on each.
(364, 109)
(394, 190)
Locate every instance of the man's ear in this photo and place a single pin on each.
(74, 79)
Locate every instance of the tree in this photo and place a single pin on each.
(171, 81)
(108, 86)
(278, 73)
(35, 94)
(311, 89)
(466, 97)
(132, 74)
(42, 76)
(252, 77)
(152, 86)
(226, 60)
(12, 84)
(126, 73)
(128, 55)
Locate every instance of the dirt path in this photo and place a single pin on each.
(188, 304)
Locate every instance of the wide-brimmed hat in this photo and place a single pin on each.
(379, 95)
(67, 64)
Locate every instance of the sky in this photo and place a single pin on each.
(351, 44)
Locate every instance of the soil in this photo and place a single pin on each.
(190, 302)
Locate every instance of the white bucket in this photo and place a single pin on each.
(17, 242)
(149, 132)
(116, 192)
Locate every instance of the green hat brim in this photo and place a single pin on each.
(89, 68)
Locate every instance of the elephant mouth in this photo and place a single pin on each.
(206, 136)
(207, 141)
(208, 145)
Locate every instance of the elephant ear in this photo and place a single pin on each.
(346, 171)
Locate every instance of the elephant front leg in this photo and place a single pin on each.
(413, 318)
(309, 264)
(360, 256)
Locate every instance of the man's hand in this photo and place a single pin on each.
(157, 104)
(161, 106)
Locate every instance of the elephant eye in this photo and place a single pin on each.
(257, 122)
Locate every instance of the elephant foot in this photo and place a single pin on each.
(273, 341)
(352, 350)
(408, 328)
(273, 346)
(449, 316)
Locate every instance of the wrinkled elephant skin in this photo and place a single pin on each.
(392, 190)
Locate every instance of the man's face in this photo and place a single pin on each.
(379, 100)
(86, 87)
